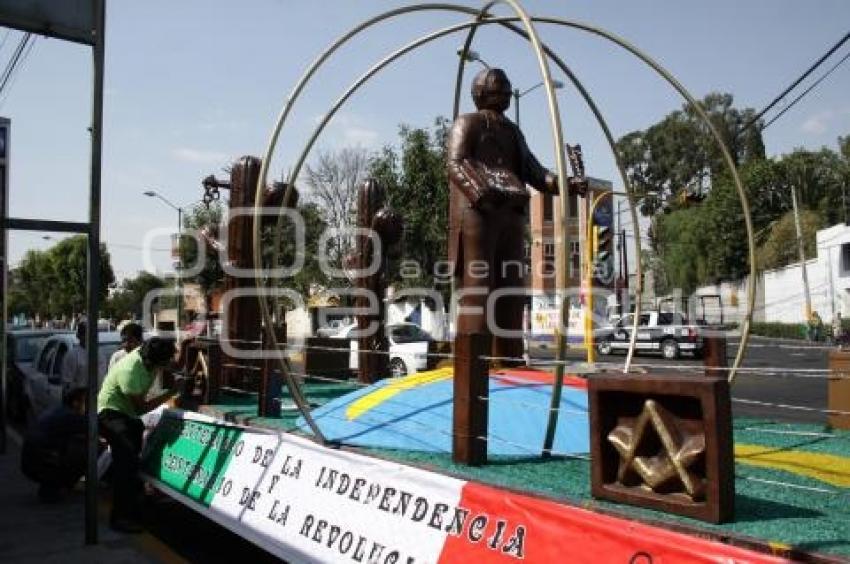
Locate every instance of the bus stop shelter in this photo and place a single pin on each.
(77, 21)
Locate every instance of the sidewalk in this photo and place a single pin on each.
(31, 531)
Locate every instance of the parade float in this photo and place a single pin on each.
(479, 458)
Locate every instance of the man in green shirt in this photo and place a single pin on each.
(122, 399)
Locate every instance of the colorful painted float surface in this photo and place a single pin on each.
(415, 413)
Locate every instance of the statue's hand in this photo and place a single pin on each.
(577, 185)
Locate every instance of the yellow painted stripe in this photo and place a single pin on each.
(829, 468)
(379, 396)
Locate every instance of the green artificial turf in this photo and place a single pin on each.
(811, 521)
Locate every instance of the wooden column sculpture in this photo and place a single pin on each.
(839, 389)
(714, 356)
(244, 323)
(386, 225)
(471, 393)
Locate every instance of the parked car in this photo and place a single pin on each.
(409, 346)
(42, 383)
(22, 346)
(667, 333)
(333, 328)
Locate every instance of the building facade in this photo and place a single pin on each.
(544, 246)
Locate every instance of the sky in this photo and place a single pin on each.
(190, 86)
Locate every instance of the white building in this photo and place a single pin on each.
(829, 281)
(779, 295)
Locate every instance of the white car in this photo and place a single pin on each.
(408, 348)
(333, 328)
(42, 383)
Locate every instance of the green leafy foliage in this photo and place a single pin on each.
(126, 301)
(679, 153)
(779, 330)
(780, 247)
(53, 283)
(417, 187)
(204, 220)
(310, 276)
(698, 233)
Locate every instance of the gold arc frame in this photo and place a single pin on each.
(292, 384)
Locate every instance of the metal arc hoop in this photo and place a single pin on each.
(292, 384)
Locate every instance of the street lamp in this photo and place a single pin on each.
(556, 84)
(155, 194)
(474, 56)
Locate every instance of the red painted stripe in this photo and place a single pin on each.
(539, 376)
(554, 533)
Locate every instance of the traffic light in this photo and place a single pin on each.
(603, 255)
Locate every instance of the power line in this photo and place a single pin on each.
(17, 72)
(806, 91)
(13, 62)
(794, 84)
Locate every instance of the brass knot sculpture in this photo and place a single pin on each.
(670, 457)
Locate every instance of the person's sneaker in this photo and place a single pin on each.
(126, 526)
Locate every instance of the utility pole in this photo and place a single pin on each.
(622, 280)
(807, 295)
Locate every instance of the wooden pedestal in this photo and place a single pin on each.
(839, 388)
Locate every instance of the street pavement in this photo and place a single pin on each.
(776, 381)
(31, 531)
(40, 533)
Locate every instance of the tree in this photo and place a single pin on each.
(53, 282)
(311, 274)
(204, 220)
(30, 284)
(333, 182)
(69, 261)
(844, 147)
(679, 154)
(417, 187)
(681, 241)
(781, 247)
(126, 302)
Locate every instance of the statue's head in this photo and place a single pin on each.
(491, 90)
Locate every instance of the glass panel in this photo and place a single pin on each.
(27, 347)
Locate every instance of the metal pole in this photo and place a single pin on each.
(178, 325)
(831, 282)
(622, 271)
(588, 284)
(806, 294)
(588, 278)
(516, 106)
(4, 267)
(93, 282)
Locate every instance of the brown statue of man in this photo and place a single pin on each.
(489, 166)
